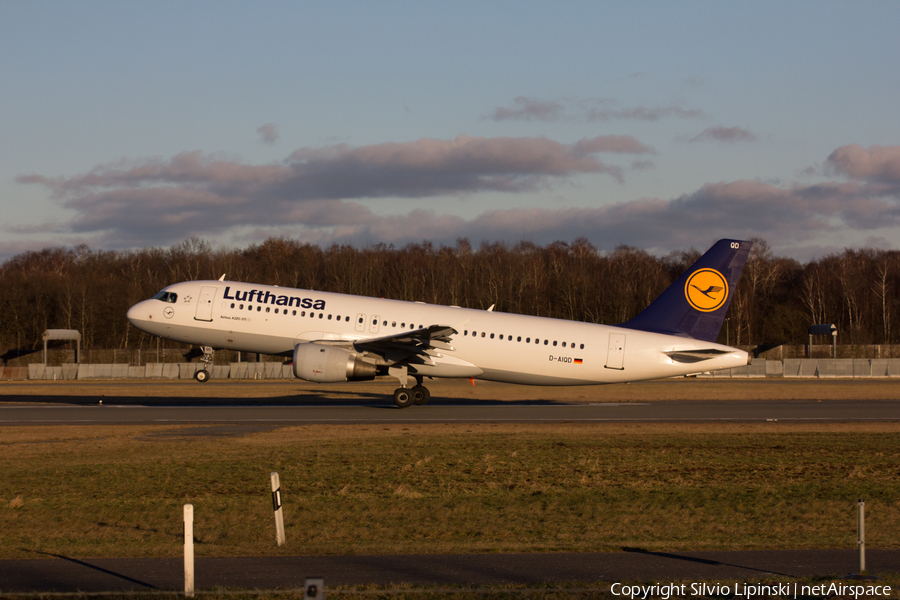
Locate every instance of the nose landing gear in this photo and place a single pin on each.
(203, 375)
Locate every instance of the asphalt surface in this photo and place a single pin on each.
(119, 574)
(35, 410)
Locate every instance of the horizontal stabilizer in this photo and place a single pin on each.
(694, 356)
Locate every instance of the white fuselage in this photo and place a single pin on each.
(489, 345)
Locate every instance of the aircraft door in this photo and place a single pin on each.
(373, 324)
(360, 322)
(205, 303)
(616, 357)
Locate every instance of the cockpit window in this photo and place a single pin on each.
(165, 296)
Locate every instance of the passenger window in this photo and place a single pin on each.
(482, 334)
(321, 314)
(241, 307)
(294, 313)
(258, 308)
(232, 305)
(501, 336)
(519, 339)
(267, 309)
(492, 336)
(527, 340)
(329, 317)
(582, 346)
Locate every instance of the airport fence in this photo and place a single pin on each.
(814, 368)
(810, 368)
(242, 370)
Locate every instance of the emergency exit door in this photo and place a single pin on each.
(615, 359)
(205, 303)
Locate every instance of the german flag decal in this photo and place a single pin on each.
(578, 361)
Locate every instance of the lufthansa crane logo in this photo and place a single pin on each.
(706, 290)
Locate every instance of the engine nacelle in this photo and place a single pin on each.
(329, 364)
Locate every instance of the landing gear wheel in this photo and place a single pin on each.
(421, 395)
(202, 376)
(403, 397)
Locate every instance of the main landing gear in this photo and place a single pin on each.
(405, 396)
(203, 375)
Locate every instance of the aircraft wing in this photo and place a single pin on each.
(400, 346)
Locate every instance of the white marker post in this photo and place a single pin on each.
(276, 506)
(861, 536)
(189, 550)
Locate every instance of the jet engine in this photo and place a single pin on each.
(330, 364)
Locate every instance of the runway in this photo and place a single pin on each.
(40, 410)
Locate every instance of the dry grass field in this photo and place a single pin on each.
(93, 491)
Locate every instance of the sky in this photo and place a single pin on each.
(658, 125)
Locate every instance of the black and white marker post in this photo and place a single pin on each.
(276, 506)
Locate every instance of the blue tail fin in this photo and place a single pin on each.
(695, 305)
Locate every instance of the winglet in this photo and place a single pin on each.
(695, 305)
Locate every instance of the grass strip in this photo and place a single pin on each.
(118, 491)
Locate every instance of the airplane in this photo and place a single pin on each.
(338, 337)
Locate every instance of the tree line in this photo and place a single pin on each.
(776, 300)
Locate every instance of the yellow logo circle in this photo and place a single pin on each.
(706, 290)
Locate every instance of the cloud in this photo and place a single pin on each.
(532, 109)
(875, 163)
(744, 209)
(141, 202)
(643, 113)
(724, 134)
(528, 109)
(317, 194)
(612, 143)
(268, 133)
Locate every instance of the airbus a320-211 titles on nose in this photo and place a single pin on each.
(337, 337)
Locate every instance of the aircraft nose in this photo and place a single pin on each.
(138, 313)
